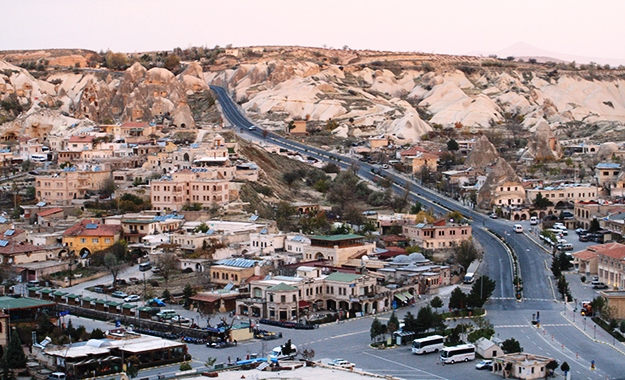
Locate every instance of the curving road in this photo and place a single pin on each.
(497, 262)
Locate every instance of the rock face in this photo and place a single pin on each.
(544, 145)
(502, 175)
(372, 93)
(482, 155)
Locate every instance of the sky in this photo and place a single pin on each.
(574, 27)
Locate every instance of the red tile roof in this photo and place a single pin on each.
(614, 250)
(80, 229)
(49, 211)
(135, 124)
(81, 139)
(17, 247)
(585, 255)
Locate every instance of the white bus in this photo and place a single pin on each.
(463, 352)
(432, 343)
(39, 157)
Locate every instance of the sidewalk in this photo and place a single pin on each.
(591, 329)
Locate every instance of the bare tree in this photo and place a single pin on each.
(166, 265)
(113, 265)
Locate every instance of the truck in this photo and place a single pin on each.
(286, 351)
(469, 277)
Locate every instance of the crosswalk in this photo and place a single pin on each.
(532, 326)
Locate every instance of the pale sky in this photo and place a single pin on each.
(575, 27)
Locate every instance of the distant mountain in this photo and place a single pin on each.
(522, 50)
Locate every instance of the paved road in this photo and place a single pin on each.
(513, 319)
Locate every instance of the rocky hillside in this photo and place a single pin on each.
(351, 93)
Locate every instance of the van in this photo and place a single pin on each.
(278, 352)
(56, 376)
(565, 247)
(144, 267)
(518, 228)
(166, 314)
(32, 284)
(534, 220)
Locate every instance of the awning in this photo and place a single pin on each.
(400, 297)
(408, 295)
(304, 303)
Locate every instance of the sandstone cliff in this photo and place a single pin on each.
(544, 145)
(501, 174)
(482, 155)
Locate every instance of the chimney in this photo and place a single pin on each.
(256, 270)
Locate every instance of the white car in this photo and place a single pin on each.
(484, 364)
(341, 363)
(132, 298)
(179, 319)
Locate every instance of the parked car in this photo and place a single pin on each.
(581, 231)
(179, 319)
(585, 237)
(156, 302)
(599, 285)
(341, 363)
(132, 298)
(484, 364)
(119, 294)
(493, 216)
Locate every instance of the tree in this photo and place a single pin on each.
(113, 265)
(410, 322)
(511, 345)
(452, 145)
(598, 303)
(393, 323)
(556, 268)
(594, 226)
(376, 329)
(15, 352)
(551, 366)
(481, 291)
(133, 366)
(436, 303)
(171, 62)
(187, 293)
(416, 208)
(425, 319)
(541, 202)
(457, 299)
(97, 334)
(116, 61)
(563, 287)
(465, 253)
(166, 264)
(290, 177)
(265, 133)
(107, 188)
(565, 262)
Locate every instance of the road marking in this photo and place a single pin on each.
(404, 365)
(348, 334)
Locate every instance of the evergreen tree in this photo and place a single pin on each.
(511, 345)
(565, 263)
(410, 323)
(15, 352)
(481, 291)
(436, 303)
(425, 319)
(187, 293)
(393, 323)
(376, 326)
(457, 299)
(594, 225)
(556, 267)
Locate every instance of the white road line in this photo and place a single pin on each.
(404, 365)
(348, 334)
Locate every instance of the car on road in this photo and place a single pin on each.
(493, 216)
(581, 231)
(252, 128)
(484, 364)
(599, 285)
(584, 238)
(132, 298)
(119, 294)
(179, 319)
(342, 363)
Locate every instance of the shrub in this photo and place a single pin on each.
(185, 367)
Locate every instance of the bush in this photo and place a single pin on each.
(185, 367)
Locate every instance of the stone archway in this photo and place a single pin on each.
(319, 256)
(331, 305)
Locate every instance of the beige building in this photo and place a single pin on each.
(521, 366)
(607, 173)
(187, 187)
(288, 298)
(616, 302)
(417, 158)
(299, 128)
(376, 143)
(337, 249)
(509, 194)
(439, 235)
(564, 193)
(585, 212)
(233, 271)
(62, 187)
(78, 143)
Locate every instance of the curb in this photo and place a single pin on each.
(537, 243)
(622, 352)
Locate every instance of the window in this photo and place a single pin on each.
(94, 240)
(283, 299)
(83, 240)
